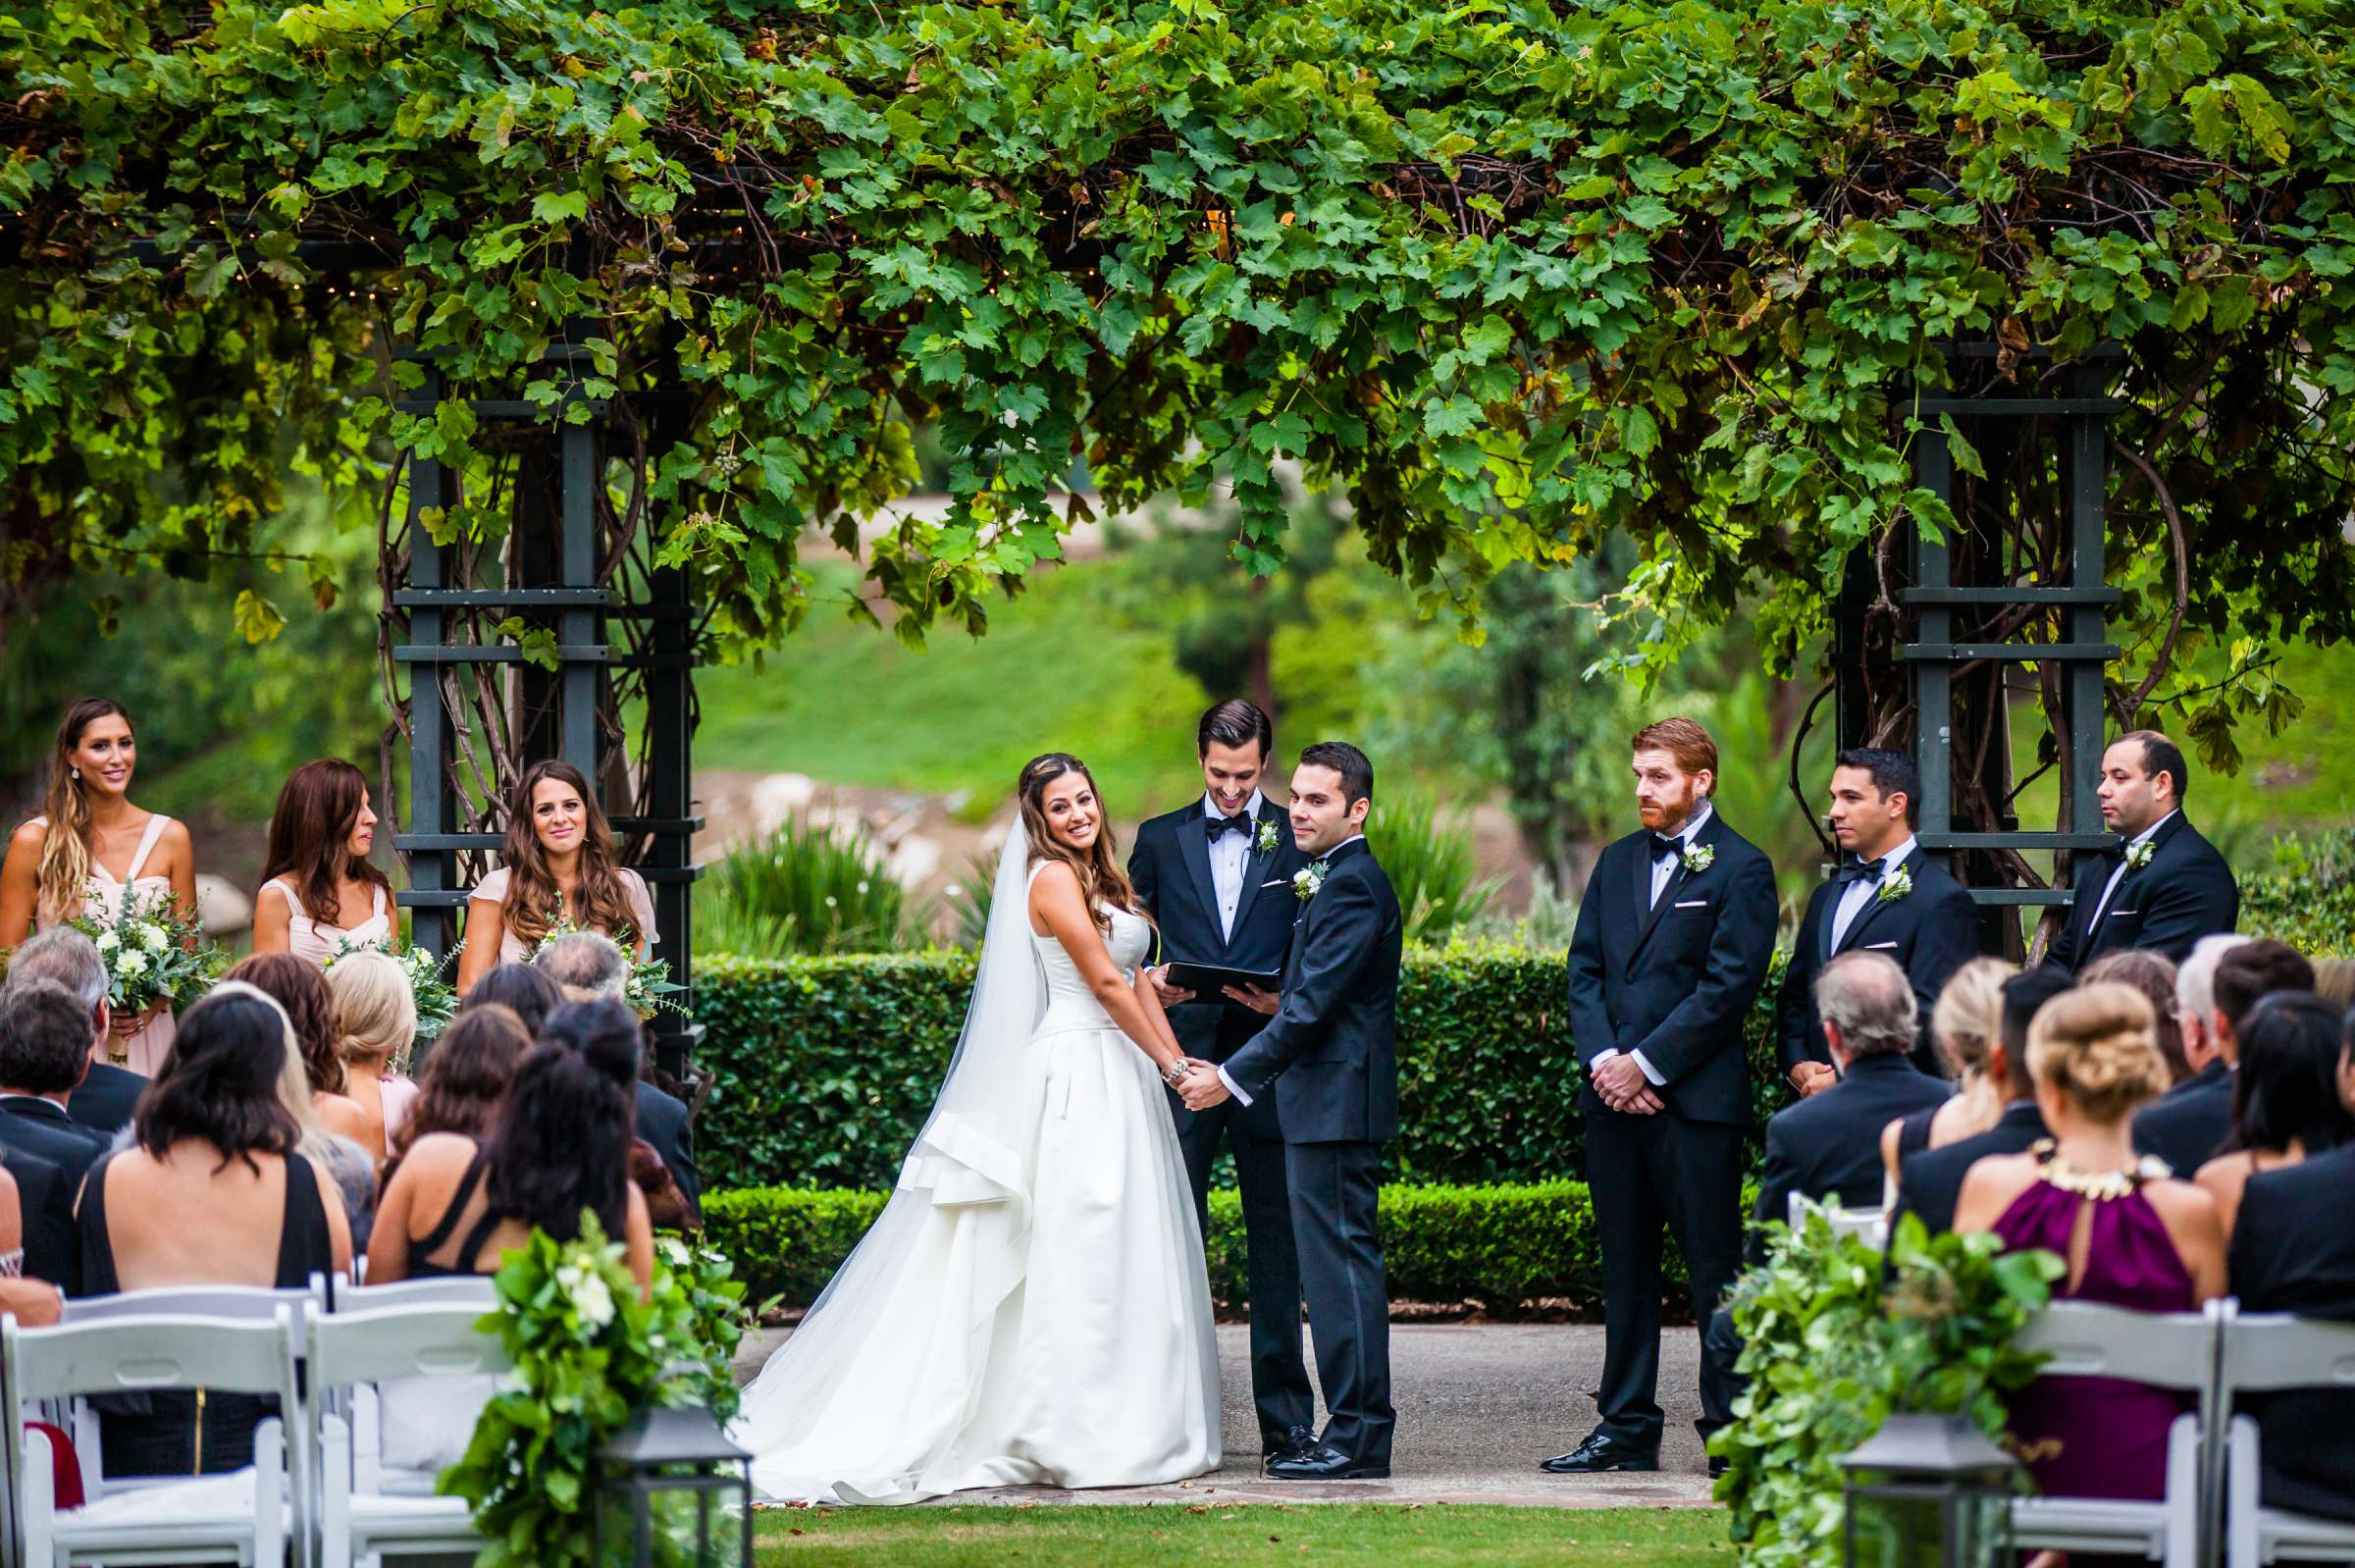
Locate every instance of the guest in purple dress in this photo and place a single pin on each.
(2134, 1236)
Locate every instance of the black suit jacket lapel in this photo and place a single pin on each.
(1194, 844)
(1254, 862)
(2167, 830)
(1676, 880)
(1874, 906)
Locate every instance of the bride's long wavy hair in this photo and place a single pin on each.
(1102, 881)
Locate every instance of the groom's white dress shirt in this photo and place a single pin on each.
(2119, 875)
(1240, 1095)
(1228, 852)
(1663, 872)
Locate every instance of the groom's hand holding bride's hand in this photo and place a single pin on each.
(1202, 1087)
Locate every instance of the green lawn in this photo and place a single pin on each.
(1392, 1536)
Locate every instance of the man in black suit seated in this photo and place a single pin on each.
(1888, 897)
(1932, 1181)
(103, 1100)
(2293, 1250)
(1828, 1145)
(1215, 875)
(2188, 1123)
(2162, 886)
(44, 1051)
(1673, 938)
(588, 968)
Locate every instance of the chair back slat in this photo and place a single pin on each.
(186, 1301)
(134, 1353)
(420, 1341)
(2087, 1340)
(2265, 1351)
(475, 1290)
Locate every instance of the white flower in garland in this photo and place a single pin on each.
(2139, 855)
(588, 1292)
(1267, 836)
(1698, 858)
(1896, 885)
(1309, 880)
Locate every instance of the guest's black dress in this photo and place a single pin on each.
(175, 1432)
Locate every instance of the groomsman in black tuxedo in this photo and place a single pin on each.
(1329, 1056)
(1217, 877)
(1888, 897)
(1673, 938)
(2162, 886)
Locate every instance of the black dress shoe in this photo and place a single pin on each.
(1600, 1452)
(1716, 1467)
(1295, 1441)
(1322, 1461)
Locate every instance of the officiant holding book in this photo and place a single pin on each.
(1217, 877)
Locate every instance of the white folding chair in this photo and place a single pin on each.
(2163, 1350)
(2269, 1353)
(1869, 1225)
(245, 1517)
(455, 1291)
(359, 1517)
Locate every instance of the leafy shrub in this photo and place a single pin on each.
(800, 889)
(1830, 1355)
(1428, 854)
(1498, 1244)
(824, 1068)
(2309, 898)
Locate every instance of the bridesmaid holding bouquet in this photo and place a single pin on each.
(63, 865)
(557, 873)
(318, 877)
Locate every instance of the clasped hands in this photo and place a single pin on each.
(1623, 1086)
(1201, 1085)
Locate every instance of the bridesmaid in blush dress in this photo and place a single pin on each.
(318, 888)
(557, 867)
(60, 864)
(2134, 1236)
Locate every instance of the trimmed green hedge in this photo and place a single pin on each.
(1502, 1245)
(827, 1067)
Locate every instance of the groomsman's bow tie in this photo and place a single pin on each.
(1861, 871)
(1239, 822)
(1665, 844)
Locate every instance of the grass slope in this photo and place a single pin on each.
(1328, 1534)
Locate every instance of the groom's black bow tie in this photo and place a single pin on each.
(1239, 822)
(1861, 871)
(1663, 844)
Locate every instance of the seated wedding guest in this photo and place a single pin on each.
(560, 1145)
(1930, 1183)
(2208, 1084)
(523, 988)
(589, 969)
(2285, 1105)
(213, 1190)
(376, 1023)
(33, 1301)
(301, 988)
(609, 1027)
(46, 1206)
(556, 871)
(319, 891)
(103, 1100)
(2132, 1237)
(1965, 1030)
(465, 1080)
(44, 1048)
(2294, 1251)
(2188, 1127)
(63, 865)
(2153, 973)
(2334, 982)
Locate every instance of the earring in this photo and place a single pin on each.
(78, 775)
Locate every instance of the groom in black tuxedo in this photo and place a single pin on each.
(1328, 1058)
(1888, 897)
(1204, 872)
(1673, 938)
(2162, 886)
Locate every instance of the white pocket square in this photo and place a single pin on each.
(1282, 881)
(1692, 904)
(1875, 947)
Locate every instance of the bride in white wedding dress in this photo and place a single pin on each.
(1031, 1306)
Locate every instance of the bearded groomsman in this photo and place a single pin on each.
(2162, 886)
(1674, 934)
(1204, 872)
(1888, 897)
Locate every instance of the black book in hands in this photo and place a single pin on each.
(1209, 980)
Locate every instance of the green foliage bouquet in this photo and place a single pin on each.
(588, 1351)
(154, 952)
(651, 988)
(430, 983)
(1831, 1351)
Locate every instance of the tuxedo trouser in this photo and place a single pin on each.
(1280, 1386)
(1337, 1193)
(1643, 1172)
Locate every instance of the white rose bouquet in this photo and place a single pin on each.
(650, 989)
(430, 981)
(154, 952)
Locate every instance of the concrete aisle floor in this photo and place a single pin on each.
(1479, 1405)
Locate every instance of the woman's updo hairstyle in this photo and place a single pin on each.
(2097, 1045)
(376, 1011)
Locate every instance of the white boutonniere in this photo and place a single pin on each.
(2139, 855)
(1266, 841)
(1309, 880)
(1896, 885)
(1698, 858)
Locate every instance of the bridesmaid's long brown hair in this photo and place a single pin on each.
(1102, 882)
(65, 865)
(310, 834)
(534, 903)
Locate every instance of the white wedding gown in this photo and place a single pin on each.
(1032, 1308)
